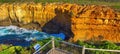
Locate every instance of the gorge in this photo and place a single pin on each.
(77, 22)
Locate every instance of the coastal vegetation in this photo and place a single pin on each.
(10, 49)
(99, 45)
(113, 3)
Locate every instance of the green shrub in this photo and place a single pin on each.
(101, 45)
(4, 46)
(10, 50)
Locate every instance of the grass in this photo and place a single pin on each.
(113, 3)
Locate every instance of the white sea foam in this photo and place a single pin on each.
(23, 33)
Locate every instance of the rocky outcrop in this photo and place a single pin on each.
(79, 22)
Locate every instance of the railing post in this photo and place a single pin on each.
(53, 43)
(83, 50)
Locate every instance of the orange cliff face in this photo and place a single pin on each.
(95, 23)
(79, 22)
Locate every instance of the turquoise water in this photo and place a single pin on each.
(23, 37)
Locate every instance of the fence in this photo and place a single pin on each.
(70, 48)
(45, 48)
(74, 49)
(99, 51)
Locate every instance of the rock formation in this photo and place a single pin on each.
(79, 22)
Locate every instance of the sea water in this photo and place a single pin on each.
(23, 37)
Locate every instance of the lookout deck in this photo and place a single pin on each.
(69, 48)
(58, 51)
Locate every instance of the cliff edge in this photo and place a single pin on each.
(79, 22)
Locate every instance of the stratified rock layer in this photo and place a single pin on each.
(79, 22)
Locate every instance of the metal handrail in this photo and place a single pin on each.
(42, 47)
(83, 47)
(71, 44)
(102, 49)
(89, 48)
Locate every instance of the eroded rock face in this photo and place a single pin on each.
(79, 22)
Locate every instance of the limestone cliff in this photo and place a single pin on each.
(79, 22)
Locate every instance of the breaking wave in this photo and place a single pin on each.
(21, 36)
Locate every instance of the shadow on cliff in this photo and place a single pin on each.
(61, 23)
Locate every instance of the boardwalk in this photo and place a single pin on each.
(58, 51)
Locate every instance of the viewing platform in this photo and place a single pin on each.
(58, 51)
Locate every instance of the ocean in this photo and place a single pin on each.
(20, 36)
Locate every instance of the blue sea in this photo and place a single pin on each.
(20, 36)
